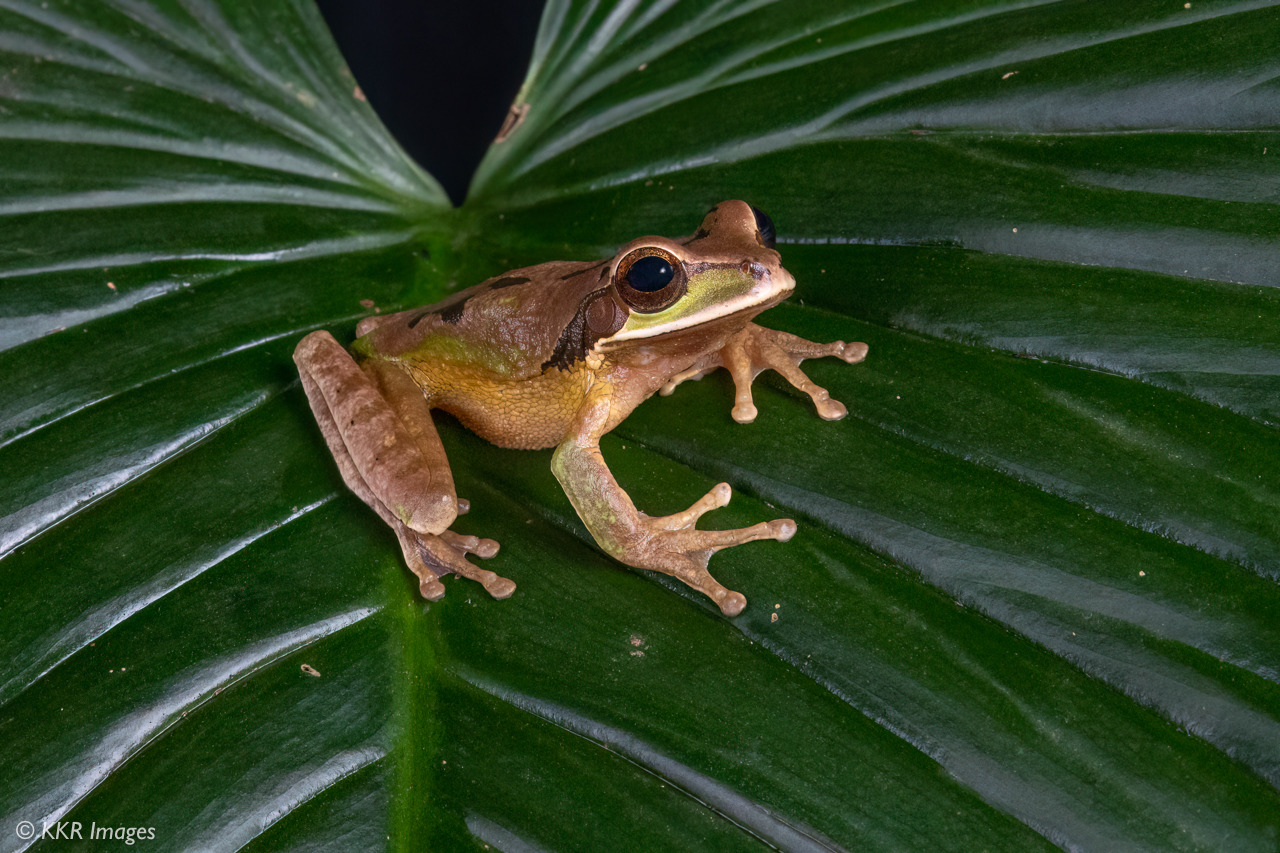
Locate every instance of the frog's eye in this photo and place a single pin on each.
(650, 279)
(764, 227)
(649, 274)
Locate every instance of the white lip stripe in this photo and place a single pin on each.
(706, 315)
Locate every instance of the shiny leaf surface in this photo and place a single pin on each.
(1033, 600)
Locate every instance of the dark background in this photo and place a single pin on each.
(440, 74)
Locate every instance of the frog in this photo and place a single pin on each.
(557, 355)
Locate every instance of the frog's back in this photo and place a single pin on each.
(507, 329)
(506, 357)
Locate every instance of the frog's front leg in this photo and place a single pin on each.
(756, 349)
(378, 428)
(668, 544)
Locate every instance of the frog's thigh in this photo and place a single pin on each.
(307, 350)
(397, 469)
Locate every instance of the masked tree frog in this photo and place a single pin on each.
(557, 355)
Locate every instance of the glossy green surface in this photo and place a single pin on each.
(1033, 600)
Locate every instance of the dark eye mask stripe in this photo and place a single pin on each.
(598, 316)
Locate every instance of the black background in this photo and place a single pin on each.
(439, 74)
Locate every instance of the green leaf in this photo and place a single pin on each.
(1033, 600)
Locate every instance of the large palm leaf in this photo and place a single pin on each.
(1033, 600)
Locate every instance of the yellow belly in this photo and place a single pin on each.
(526, 414)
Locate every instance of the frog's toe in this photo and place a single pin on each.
(745, 412)
(852, 352)
(695, 574)
(498, 587)
(719, 496)
(458, 546)
(732, 603)
(828, 409)
(711, 541)
(782, 529)
(431, 588)
(482, 548)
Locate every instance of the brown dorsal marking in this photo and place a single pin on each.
(452, 313)
(509, 281)
(702, 232)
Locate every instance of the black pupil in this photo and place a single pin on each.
(650, 274)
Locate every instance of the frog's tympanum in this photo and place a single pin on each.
(557, 355)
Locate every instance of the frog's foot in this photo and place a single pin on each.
(756, 349)
(670, 544)
(430, 556)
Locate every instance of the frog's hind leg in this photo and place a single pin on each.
(365, 414)
(305, 355)
(362, 413)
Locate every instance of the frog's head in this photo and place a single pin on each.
(725, 273)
